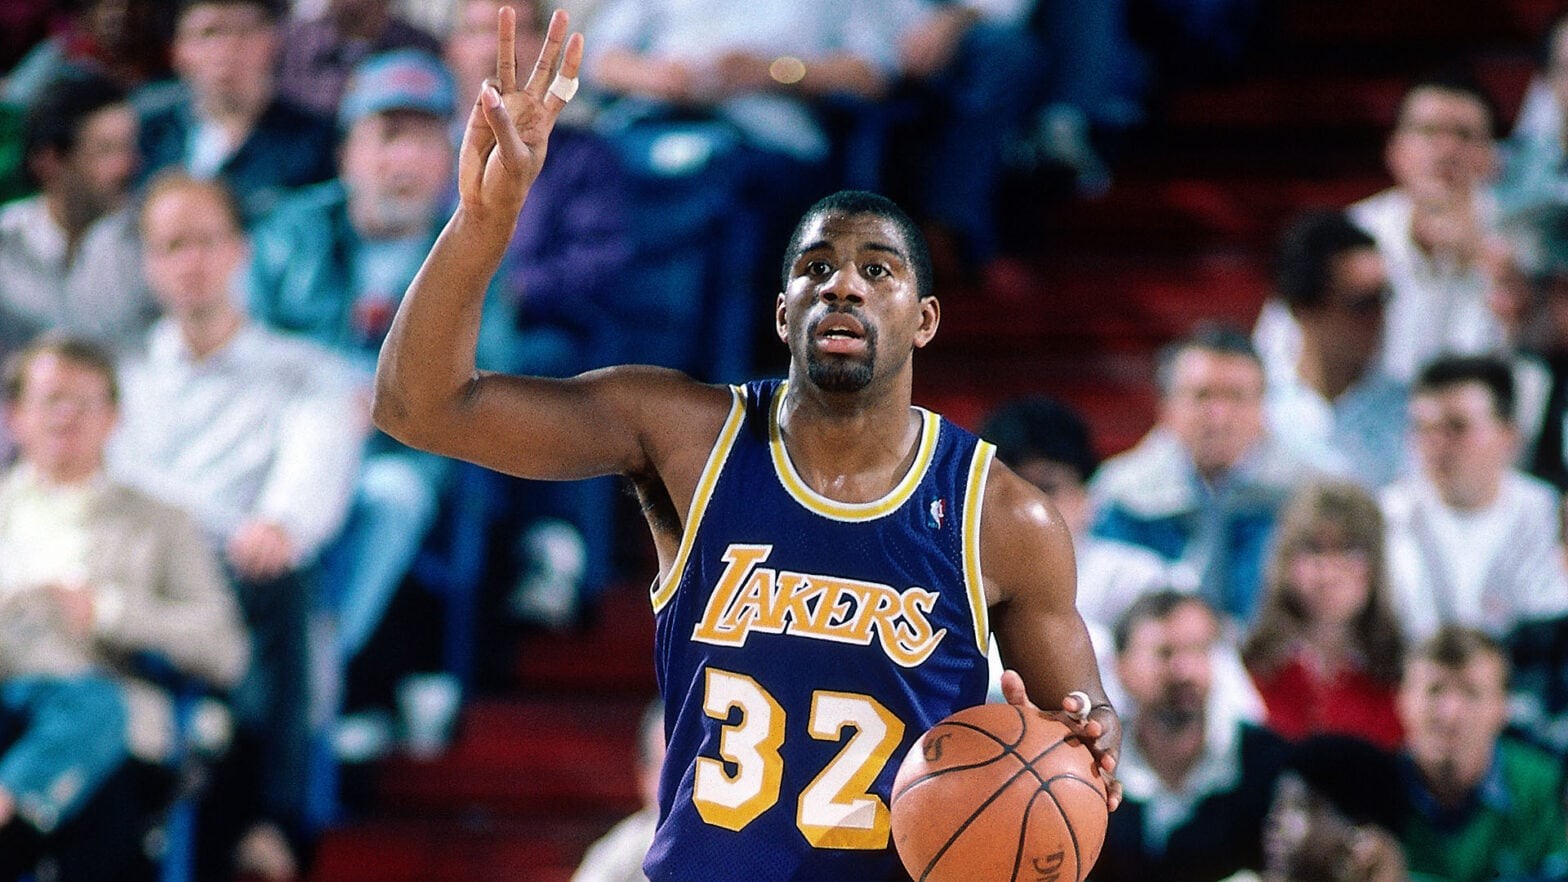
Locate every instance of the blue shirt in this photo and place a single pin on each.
(803, 644)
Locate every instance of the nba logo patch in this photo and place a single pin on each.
(936, 514)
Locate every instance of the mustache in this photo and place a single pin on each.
(848, 309)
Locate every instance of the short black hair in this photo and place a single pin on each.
(1041, 428)
(1153, 607)
(1455, 646)
(1216, 337)
(1306, 251)
(1458, 80)
(1491, 371)
(856, 202)
(55, 118)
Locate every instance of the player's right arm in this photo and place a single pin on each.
(429, 393)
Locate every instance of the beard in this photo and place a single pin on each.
(840, 373)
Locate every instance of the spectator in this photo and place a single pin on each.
(1196, 785)
(975, 75)
(1203, 487)
(1486, 806)
(319, 53)
(1047, 443)
(617, 855)
(259, 437)
(331, 264)
(1471, 540)
(1326, 649)
(1533, 169)
(1336, 815)
(1430, 227)
(1528, 269)
(92, 573)
(68, 255)
(564, 277)
(224, 118)
(126, 41)
(1335, 407)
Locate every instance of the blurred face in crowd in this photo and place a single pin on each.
(63, 417)
(1061, 483)
(470, 50)
(225, 52)
(1452, 719)
(191, 250)
(396, 166)
(1442, 145)
(1166, 666)
(1464, 445)
(1348, 327)
(1330, 576)
(1215, 407)
(96, 174)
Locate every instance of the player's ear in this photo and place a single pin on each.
(930, 317)
(780, 322)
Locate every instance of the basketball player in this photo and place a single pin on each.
(828, 584)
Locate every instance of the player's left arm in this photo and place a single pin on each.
(1026, 557)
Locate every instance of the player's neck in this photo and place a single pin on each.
(849, 447)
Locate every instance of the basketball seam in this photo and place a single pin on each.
(1072, 835)
(959, 830)
(1023, 833)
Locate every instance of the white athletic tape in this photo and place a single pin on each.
(1082, 715)
(563, 88)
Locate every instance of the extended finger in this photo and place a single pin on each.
(507, 140)
(569, 67)
(506, 50)
(549, 55)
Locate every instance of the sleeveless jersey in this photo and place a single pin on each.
(803, 644)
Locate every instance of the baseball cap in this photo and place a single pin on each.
(405, 79)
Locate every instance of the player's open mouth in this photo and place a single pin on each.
(840, 333)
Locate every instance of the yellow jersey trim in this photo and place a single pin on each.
(930, 427)
(699, 499)
(974, 501)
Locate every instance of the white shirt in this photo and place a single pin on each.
(99, 292)
(45, 541)
(1218, 770)
(1436, 306)
(1491, 568)
(267, 427)
(1360, 436)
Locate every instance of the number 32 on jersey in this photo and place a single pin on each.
(836, 810)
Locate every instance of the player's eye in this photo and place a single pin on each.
(818, 268)
(877, 270)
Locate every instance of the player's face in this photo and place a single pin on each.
(1215, 407)
(1453, 717)
(851, 309)
(191, 250)
(1463, 445)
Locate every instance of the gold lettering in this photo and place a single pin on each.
(739, 561)
(911, 641)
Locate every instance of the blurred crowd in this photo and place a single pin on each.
(1328, 587)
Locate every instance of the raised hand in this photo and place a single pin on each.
(509, 127)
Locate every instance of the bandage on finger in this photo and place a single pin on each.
(1082, 714)
(563, 88)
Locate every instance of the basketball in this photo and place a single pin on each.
(997, 792)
